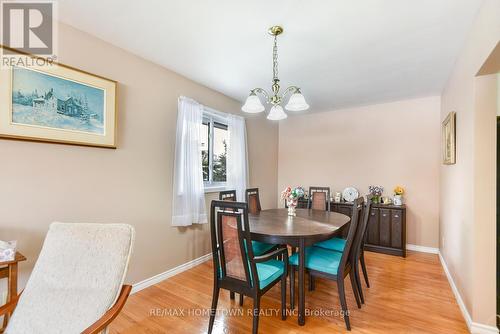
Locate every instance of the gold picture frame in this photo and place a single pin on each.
(57, 103)
(449, 139)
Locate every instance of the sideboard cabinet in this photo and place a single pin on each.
(386, 231)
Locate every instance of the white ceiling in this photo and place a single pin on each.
(341, 52)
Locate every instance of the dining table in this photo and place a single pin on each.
(306, 228)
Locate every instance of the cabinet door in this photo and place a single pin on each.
(302, 204)
(396, 228)
(334, 207)
(373, 230)
(385, 227)
(345, 209)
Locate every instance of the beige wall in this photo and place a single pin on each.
(41, 183)
(485, 144)
(385, 144)
(467, 226)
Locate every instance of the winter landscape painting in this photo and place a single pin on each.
(44, 100)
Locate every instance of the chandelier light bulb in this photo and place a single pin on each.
(252, 104)
(276, 113)
(297, 102)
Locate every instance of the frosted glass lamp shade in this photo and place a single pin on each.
(253, 105)
(297, 102)
(277, 113)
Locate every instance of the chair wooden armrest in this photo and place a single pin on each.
(271, 255)
(111, 314)
(9, 307)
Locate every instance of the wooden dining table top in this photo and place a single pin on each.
(306, 223)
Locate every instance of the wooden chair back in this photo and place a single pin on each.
(231, 244)
(227, 195)
(319, 198)
(350, 246)
(253, 200)
(359, 239)
(364, 224)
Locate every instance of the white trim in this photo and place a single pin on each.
(474, 327)
(215, 189)
(422, 249)
(169, 273)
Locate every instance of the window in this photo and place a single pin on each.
(215, 139)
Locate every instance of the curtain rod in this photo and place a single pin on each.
(211, 110)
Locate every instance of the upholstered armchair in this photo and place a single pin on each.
(77, 283)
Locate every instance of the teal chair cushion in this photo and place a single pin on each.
(319, 259)
(269, 271)
(260, 248)
(335, 244)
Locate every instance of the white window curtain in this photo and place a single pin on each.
(237, 164)
(188, 205)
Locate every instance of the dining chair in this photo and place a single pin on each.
(76, 285)
(319, 198)
(259, 248)
(329, 264)
(253, 200)
(236, 267)
(338, 244)
(230, 195)
(227, 195)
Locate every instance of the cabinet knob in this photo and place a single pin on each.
(385, 214)
(396, 216)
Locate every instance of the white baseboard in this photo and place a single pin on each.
(422, 249)
(169, 273)
(474, 327)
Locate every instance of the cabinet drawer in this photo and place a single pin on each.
(385, 227)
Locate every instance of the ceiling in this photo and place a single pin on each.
(340, 52)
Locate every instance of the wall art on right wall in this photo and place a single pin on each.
(449, 139)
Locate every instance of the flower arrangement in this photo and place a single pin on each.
(291, 196)
(398, 195)
(399, 190)
(376, 191)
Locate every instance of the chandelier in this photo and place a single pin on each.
(296, 102)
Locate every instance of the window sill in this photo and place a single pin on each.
(214, 189)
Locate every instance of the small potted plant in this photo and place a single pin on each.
(291, 196)
(376, 191)
(398, 195)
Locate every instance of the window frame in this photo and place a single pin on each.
(211, 118)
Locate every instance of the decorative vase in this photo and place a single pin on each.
(376, 199)
(397, 200)
(292, 205)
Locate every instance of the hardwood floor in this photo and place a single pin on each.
(409, 295)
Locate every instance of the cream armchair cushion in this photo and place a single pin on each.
(76, 279)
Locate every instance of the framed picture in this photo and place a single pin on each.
(57, 103)
(449, 139)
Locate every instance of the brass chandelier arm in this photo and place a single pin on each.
(275, 98)
(291, 89)
(263, 92)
